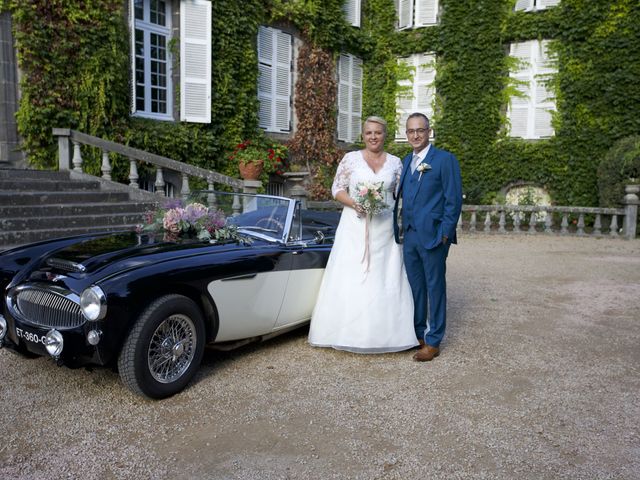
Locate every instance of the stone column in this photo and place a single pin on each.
(631, 202)
(294, 186)
(10, 154)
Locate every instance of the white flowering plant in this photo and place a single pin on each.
(369, 195)
(177, 219)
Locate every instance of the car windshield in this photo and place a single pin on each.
(262, 216)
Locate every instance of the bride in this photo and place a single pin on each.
(365, 303)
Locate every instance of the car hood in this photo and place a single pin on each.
(127, 250)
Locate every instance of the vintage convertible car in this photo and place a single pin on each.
(148, 305)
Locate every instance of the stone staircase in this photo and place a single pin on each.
(37, 205)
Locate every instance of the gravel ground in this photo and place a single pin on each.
(538, 379)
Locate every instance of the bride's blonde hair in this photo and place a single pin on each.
(378, 120)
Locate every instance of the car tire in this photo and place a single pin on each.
(164, 348)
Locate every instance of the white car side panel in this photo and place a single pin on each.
(302, 292)
(248, 306)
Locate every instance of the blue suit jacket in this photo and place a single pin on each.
(437, 201)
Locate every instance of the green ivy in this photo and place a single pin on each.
(75, 65)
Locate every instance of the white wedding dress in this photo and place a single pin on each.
(360, 310)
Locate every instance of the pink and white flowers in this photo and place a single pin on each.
(370, 196)
(194, 219)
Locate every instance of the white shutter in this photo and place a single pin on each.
(524, 4)
(426, 12)
(404, 8)
(420, 97)
(349, 97)
(195, 61)
(530, 117)
(542, 4)
(351, 10)
(283, 52)
(132, 54)
(275, 52)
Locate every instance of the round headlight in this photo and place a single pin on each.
(3, 327)
(54, 343)
(93, 303)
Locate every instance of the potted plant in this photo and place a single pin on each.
(256, 158)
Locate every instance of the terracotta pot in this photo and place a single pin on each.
(251, 170)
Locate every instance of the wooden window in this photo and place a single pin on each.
(349, 98)
(416, 13)
(418, 92)
(530, 114)
(275, 54)
(152, 93)
(195, 61)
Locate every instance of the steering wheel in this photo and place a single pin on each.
(270, 223)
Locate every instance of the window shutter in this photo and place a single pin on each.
(547, 3)
(426, 12)
(531, 116)
(349, 98)
(132, 54)
(421, 95)
(195, 61)
(351, 10)
(524, 5)
(275, 52)
(404, 9)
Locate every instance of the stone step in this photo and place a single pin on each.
(73, 221)
(19, 211)
(14, 238)
(6, 173)
(17, 197)
(48, 185)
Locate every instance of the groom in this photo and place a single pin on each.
(431, 192)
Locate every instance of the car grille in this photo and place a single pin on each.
(43, 308)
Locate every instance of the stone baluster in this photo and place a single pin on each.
(77, 157)
(564, 226)
(548, 222)
(472, 222)
(159, 185)
(459, 224)
(597, 226)
(502, 222)
(133, 174)
(211, 197)
(516, 222)
(236, 207)
(487, 222)
(106, 166)
(631, 202)
(613, 227)
(581, 224)
(532, 222)
(185, 191)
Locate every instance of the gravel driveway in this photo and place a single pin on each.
(539, 378)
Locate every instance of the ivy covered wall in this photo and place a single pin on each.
(75, 66)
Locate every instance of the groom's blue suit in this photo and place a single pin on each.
(431, 205)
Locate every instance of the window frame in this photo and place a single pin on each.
(349, 98)
(148, 29)
(419, 89)
(414, 9)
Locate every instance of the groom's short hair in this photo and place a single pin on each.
(419, 115)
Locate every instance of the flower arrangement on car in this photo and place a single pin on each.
(177, 219)
(257, 157)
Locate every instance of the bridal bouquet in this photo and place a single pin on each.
(369, 195)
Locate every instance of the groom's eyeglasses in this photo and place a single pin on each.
(418, 131)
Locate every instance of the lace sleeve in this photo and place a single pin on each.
(343, 175)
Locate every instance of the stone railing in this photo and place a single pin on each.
(70, 158)
(525, 219)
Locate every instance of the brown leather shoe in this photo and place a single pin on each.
(426, 353)
(420, 343)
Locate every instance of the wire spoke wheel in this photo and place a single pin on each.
(172, 348)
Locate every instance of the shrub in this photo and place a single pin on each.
(619, 167)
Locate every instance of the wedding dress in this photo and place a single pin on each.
(364, 304)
